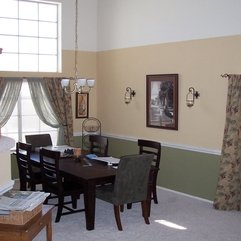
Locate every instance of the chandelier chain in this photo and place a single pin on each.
(76, 41)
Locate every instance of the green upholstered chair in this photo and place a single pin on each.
(29, 175)
(130, 186)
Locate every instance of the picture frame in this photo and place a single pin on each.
(162, 101)
(82, 105)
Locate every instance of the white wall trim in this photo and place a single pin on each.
(186, 195)
(166, 144)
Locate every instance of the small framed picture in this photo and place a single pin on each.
(162, 101)
(82, 105)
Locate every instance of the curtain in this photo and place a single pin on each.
(228, 193)
(62, 107)
(43, 107)
(9, 93)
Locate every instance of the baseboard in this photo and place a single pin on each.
(186, 195)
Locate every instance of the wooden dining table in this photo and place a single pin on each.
(88, 172)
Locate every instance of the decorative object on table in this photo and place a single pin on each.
(69, 151)
(129, 94)
(80, 85)
(191, 96)
(77, 153)
(82, 105)
(162, 101)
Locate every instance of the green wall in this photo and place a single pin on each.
(189, 172)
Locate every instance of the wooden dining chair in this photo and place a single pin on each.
(152, 147)
(130, 186)
(39, 140)
(98, 145)
(55, 184)
(29, 175)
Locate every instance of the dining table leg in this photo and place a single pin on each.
(89, 202)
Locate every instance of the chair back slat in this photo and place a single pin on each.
(39, 140)
(28, 174)
(49, 161)
(151, 147)
(98, 145)
(23, 160)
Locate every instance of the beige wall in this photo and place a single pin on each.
(86, 68)
(5, 175)
(199, 64)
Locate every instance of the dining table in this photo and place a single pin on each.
(89, 173)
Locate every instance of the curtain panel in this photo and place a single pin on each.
(228, 193)
(9, 93)
(62, 107)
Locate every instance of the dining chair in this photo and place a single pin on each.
(39, 140)
(98, 145)
(55, 184)
(29, 175)
(130, 186)
(152, 147)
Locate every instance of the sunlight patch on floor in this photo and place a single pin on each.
(170, 224)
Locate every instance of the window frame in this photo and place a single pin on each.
(40, 67)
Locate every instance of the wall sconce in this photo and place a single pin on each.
(129, 94)
(191, 96)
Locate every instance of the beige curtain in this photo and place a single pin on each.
(63, 107)
(228, 193)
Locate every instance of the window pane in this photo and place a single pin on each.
(47, 46)
(28, 62)
(30, 123)
(27, 107)
(47, 63)
(28, 45)
(28, 10)
(48, 12)
(47, 29)
(25, 92)
(9, 8)
(9, 26)
(9, 43)
(28, 28)
(9, 62)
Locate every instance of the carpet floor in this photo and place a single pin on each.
(175, 218)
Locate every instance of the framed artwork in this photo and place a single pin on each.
(82, 105)
(162, 101)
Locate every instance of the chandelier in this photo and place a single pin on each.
(80, 85)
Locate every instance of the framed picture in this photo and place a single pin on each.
(162, 101)
(82, 105)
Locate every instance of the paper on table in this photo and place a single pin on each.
(109, 159)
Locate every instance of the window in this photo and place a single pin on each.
(24, 119)
(30, 36)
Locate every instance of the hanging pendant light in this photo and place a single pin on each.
(80, 85)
